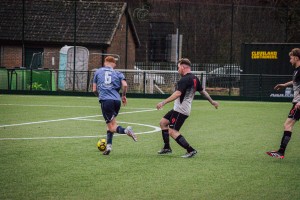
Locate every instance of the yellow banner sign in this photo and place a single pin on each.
(264, 55)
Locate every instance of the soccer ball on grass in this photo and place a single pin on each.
(101, 144)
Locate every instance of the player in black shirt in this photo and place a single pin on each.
(294, 114)
(184, 94)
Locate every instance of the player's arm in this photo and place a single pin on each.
(283, 85)
(297, 106)
(95, 89)
(207, 96)
(171, 98)
(124, 91)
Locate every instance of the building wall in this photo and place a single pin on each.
(118, 46)
(95, 58)
(51, 57)
(11, 56)
(131, 51)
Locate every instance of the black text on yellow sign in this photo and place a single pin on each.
(264, 55)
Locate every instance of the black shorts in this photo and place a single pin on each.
(176, 119)
(110, 109)
(294, 113)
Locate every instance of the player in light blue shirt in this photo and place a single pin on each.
(109, 83)
(106, 85)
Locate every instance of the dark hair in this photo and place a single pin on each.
(295, 52)
(184, 61)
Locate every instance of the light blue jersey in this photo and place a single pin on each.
(109, 82)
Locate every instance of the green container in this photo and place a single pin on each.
(20, 79)
(3, 79)
(42, 80)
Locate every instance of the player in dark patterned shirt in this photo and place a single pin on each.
(294, 114)
(184, 94)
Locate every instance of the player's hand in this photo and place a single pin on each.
(124, 100)
(215, 104)
(160, 105)
(279, 86)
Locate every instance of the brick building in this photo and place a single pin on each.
(43, 27)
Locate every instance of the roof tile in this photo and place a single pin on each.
(53, 21)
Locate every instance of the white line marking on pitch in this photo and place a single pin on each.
(72, 118)
(139, 124)
(60, 106)
(156, 129)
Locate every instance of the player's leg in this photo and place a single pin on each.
(111, 129)
(164, 125)
(165, 132)
(106, 113)
(109, 116)
(109, 139)
(112, 111)
(287, 134)
(119, 129)
(112, 125)
(180, 139)
(176, 122)
(293, 117)
(109, 136)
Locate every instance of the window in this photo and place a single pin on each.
(159, 40)
(34, 57)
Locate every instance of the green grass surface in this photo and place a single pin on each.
(59, 159)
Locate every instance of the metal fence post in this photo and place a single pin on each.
(260, 86)
(144, 88)
(88, 81)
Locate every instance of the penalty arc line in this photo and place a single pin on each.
(72, 118)
(156, 129)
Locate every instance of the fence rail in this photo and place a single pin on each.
(145, 82)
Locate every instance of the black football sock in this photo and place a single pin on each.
(284, 141)
(183, 143)
(109, 137)
(165, 136)
(120, 130)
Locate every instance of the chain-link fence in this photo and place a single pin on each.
(145, 82)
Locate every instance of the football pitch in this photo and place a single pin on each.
(48, 151)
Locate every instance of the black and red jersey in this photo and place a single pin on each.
(187, 85)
